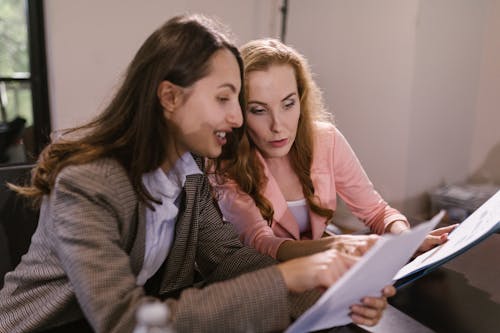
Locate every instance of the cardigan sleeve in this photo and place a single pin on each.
(355, 188)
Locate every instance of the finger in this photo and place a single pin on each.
(443, 238)
(360, 320)
(388, 291)
(433, 239)
(430, 241)
(356, 247)
(361, 249)
(365, 315)
(324, 257)
(440, 231)
(348, 259)
(443, 230)
(328, 274)
(377, 303)
(372, 239)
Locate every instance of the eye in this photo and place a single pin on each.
(222, 99)
(289, 104)
(256, 109)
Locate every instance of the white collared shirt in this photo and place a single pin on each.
(160, 223)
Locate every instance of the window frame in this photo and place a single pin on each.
(39, 76)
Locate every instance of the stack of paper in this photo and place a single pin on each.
(384, 264)
(366, 278)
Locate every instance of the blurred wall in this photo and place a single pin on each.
(90, 43)
(412, 84)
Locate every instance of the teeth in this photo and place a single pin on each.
(221, 135)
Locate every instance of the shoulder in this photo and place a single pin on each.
(98, 169)
(327, 134)
(324, 135)
(324, 130)
(324, 127)
(105, 175)
(329, 145)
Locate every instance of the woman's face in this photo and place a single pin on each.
(273, 109)
(209, 110)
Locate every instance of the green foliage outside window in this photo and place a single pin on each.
(14, 61)
(14, 56)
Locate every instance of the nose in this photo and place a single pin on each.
(235, 117)
(275, 123)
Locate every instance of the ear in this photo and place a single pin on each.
(169, 95)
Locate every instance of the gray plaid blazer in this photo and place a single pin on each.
(89, 247)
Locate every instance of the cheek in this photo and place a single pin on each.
(293, 122)
(255, 129)
(253, 136)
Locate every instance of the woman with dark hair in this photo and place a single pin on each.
(127, 215)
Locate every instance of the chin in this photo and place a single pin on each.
(213, 154)
(278, 153)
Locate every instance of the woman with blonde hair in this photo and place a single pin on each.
(280, 191)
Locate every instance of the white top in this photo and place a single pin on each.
(300, 211)
(160, 223)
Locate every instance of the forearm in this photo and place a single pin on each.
(291, 249)
(235, 305)
(240, 261)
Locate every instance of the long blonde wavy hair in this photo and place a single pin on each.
(245, 168)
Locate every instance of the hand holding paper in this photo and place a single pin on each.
(378, 267)
(323, 270)
(367, 277)
(369, 311)
(479, 225)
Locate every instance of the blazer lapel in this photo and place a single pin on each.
(179, 269)
(317, 225)
(139, 245)
(282, 216)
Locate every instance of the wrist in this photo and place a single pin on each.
(398, 227)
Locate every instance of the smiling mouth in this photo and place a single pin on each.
(221, 137)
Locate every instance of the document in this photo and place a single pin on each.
(480, 224)
(375, 270)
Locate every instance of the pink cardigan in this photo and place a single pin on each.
(335, 170)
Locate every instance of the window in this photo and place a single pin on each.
(24, 104)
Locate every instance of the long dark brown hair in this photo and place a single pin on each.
(132, 128)
(245, 168)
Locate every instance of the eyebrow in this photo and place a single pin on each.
(228, 85)
(265, 104)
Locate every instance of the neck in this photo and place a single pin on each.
(277, 163)
(174, 152)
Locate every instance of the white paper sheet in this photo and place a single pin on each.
(481, 222)
(366, 278)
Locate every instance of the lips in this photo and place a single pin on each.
(221, 137)
(278, 143)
